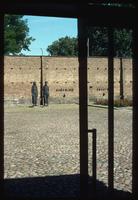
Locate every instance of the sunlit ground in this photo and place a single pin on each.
(44, 141)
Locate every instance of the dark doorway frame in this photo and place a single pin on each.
(110, 17)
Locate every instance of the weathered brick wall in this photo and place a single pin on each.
(97, 77)
(127, 68)
(62, 76)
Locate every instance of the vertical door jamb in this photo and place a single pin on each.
(110, 109)
(83, 113)
(1, 102)
(135, 114)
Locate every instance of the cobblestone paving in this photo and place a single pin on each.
(44, 141)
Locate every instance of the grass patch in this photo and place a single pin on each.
(117, 102)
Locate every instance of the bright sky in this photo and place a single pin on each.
(45, 30)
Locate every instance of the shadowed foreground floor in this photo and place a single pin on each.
(56, 187)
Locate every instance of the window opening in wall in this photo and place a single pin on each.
(41, 145)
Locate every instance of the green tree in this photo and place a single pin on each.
(16, 34)
(98, 43)
(123, 43)
(65, 46)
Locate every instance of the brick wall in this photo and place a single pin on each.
(62, 76)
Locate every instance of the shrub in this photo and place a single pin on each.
(117, 102)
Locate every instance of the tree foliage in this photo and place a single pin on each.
(123, 43)
(16, 33)
(98, 43)
(65, 46)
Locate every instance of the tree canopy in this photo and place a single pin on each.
(65, 46)
(16, 34)
(98, 43)
(123, 43)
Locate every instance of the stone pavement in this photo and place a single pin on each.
(43, 142)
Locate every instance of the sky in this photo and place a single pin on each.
(46, 30)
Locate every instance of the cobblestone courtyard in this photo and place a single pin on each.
(44, 141)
